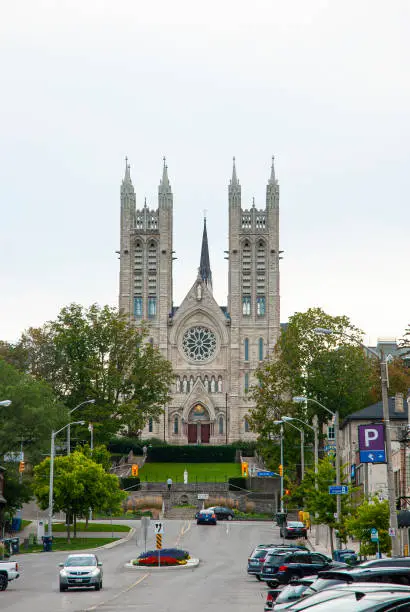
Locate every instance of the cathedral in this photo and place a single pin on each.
(214, 350)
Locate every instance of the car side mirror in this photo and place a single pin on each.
(99, 564)
(61, 565)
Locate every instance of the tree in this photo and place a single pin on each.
(94, 353)
(27, 423)
(320, 504)
(328, 368)
(99, 455)
(16, 492)
(79, 484)
(371, 514)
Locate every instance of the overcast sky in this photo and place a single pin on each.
(322, 85)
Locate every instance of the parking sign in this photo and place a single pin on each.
(371, 443)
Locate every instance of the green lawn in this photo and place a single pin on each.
(94, 527)
(75, 544)
(197, 472)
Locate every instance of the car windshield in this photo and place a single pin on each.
(323, 583)
(291, 592)
(259, 554)
(295, 524)
(276, 558)
(80, 561)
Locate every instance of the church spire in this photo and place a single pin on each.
(164, 186)
(234, 188)
(205, 266)
(234, 180)
(127, 186)
(272, 180)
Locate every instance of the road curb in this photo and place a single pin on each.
(118, 542)
(191, 564)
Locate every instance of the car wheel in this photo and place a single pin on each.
(229, 517)
(3, 582)
(97, 586)
(258, 577)
(62, 588)
(271, 584)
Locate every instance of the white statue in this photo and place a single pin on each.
(184, 385)
(212, 385)
(185, 476)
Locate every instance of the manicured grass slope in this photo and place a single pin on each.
(197, 472)
(75, 544)
(94, 527)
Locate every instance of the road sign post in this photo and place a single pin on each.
(159, 530)
(145, 522)
(338, 489)
(374, 537)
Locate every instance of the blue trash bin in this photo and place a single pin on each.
(47, 543)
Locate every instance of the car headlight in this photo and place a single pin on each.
(95, 572)
(63, 573)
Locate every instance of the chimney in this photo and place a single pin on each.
(398, 404)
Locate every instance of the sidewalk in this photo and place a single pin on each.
(323, 544)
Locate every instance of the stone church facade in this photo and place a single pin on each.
(214, 349)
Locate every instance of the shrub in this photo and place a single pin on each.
(247, 448)
(122, 445)
(227, 502)
(250, 507)
(237, 483)
(148, 502)
(191, 454)
(130, 481)
(167, 556)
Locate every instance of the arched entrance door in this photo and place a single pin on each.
(199, 425)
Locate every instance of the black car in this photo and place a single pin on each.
(258, 557)
(281, 565)
(387, 562)
(293, 529)
(222, 513)
(287, 595)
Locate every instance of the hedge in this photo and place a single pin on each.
(122, 445)
(129, 481)
(237, 483)
(191, 454)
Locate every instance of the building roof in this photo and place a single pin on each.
(374, 412)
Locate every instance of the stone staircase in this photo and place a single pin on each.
(180, 513)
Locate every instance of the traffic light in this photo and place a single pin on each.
(21, 466)
(134, 470)
(245, 469)
(287, 491)
(281, 470)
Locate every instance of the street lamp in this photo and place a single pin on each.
(281, 462)
(91, 401)
(287, 419)
(51, 493)
(5, 403)
(302, 442)
(386, 418)
(336, 422)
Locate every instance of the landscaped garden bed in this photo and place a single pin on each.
(166, 557)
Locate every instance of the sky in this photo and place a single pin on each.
(322, 85)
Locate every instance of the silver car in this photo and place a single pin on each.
(81, 570)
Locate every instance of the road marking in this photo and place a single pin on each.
(103, 603)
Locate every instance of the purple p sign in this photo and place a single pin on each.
(371, 443)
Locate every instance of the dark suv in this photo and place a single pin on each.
(281, 565)
(259, 555)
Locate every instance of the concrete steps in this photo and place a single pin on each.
(180, 513)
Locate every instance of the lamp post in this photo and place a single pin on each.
(281, 462)
(302, 442)
(91, 401)
(384, 378)
(51, 484)
(287, 419)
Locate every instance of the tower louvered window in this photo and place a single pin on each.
(152, 279)
(138, 278)
(261, 279)
(246, 278)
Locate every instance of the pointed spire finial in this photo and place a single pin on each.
(164, 184)
(205, 266)
(253, 202)
(272, 180)
(145, 202)
(234, 180)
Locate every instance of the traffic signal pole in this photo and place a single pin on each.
(281, 462)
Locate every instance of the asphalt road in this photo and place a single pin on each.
(219, 583)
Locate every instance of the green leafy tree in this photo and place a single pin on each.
(79, 484)
(369, 515)
(99, 454)
(17, 491)
(27, 423)
(94, 353)
(320, 504)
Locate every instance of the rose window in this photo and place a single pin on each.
(199, 343)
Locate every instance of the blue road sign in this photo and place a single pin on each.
(375, 456)
(330, 447)
(266, 474)
(338, 489)
(374, 535)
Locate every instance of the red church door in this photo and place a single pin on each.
(205, 433)
(192, 433)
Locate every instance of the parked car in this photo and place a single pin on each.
(281, 565)
(387, 562)
(9, 570)
(333, 579)
(206, 517)
(222, 513)
(354, 598)
(287, 595)
(259, 555)
(81, 570)
(293, 529)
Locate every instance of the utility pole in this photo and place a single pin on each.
(389, 463)
(338, 497)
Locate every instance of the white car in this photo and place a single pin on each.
(9, 570)
(81, 570)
